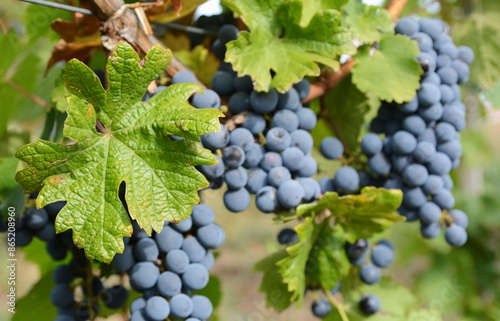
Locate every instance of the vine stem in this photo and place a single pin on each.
(337, 305)
(395, 8)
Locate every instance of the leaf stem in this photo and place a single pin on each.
(395, 8)
(337, 305)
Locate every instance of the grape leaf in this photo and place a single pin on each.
(277, 294)
(317, 260)
(361, 216)
(366, 22)
(391, 72)
(277, 43)
(131, 146)
(311, 7)
(36, 305)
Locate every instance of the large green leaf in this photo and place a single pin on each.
(130, 147)
(277, 43)
(367, 23)
(390, 72)
(317, 260)
(362, 215)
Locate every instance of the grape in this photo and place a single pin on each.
(194, 250)
(56, 248)
(266, 199)
(382, 255)
(236, 178)
(255, 123)
(399, 163)
(455, 235)
(403, 142)
(423, 40)
(432, 113)
(432, 27)
(286, 119)
(239, 102)
(168, 284)
(427, 62)
(357, 250)
(211, 236)
(443, 61)
(63, 274)
(62, 296)
(307, 118)
(448, 75)
(157, 308)
(433, 185)
(137, 305)
(415, 175)
(219, 49)
(321, 308)
(46, 233)
(346, 180)
(447, 94)
(447, 181)
(289, 100)
(448, 49)
(331, 148)
(202, 307)
(429, 213)
(425, 152)
(227, 33)
(454, 116)
(445, 132)
(178, 260)
(263, 102)
(428, 136)
(369, 274)
(414, 124)
(444, 199)
(243, 84)
(407, 26)
(428, 94)
(195, 277)
(327, 185)
(146, 250)
(184, 225)
(253, 155)
(414, 197)
(257, 179)
(392, 183)
(36, 219)
(379, 164)
(441, 40)
(237, 200)
(115, 297)
(466, 54)
(241, 137)
(371, 144)
(309, 167)
(311, 188)
(139, 315)
(233, 156)
(459, 218)
(453, 149)
(181, 305)
(278, 139)
(278, 175)
(202, 214)
(227, 67)
(168, 239)
(440, 164)
(184, 76)
(213, 171)
(302, 88)
(293, 158)
(123, 262)
(217, 140)
(290, 194)
(207, 99)
(386, 243)
(287, 236)
(143, 276)
(369, 304)
(270, 160)
(409, 107)
(208, 261)
(302, 140)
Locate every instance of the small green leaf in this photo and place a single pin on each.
(277, 294)
(130, 147)
(278, 43)
(317, 260)
(366, 22)
(391, 72)
(361, 216)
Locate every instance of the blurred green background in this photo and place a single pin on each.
(458, 283)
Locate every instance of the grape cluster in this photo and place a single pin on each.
(169, 265)
(422, 140)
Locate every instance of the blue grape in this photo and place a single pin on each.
(255, 123)
(266, 199)
(444, 199)
(56, 248)
(168, 239)
(440, 164)
(286, 119)
(455, 235)
(168, 284)
(459, 217)
(370, 274)
(411, 214)
(62, 296)
(181, 306)
(409, 107)
(287, 236)
(115, 297)
(183, 225)
(146, 250)
(195, 277)
(379, 164)
(386, 243)
(290, 194)
(453, 115)
(441, 40)
(403, 142)
(453, 149)
(139, 315)
(428, 94)
(46, 233)
(143, 276)
(429, 213)
(423, 40)
(382, 255)
(443, 61)
(307, 118)
(447, 94)
(331, 148)
(241, 137)
(239, 102)
(414, 197)
(177, 261)
(321, 308)
(327, 185)
(433, 185)
(433, 27)
(222, 83)
(278, 139)
(157, 308)
(194, 250)
(270, 160)
(466, 54)
(445, 132)
(302, 88)
(236, 178)
(54, 208)
(415, 175)
(36, 218)
(449, 49)
(293, 158)
(278, 175)
(207, 99)
(137, 305)
(414, 124)
(123, 262)
(425, 152)
(202, 214)
(213, 171)
(369, 304)
(303, 140)
(371, 144)
(253, 155)
(407, 26)
(211, 236)
(346, 180)
(289, 100)
(233, 156)
(399, 163)
(217, 140)
(227, 33)
(311, 188)
(447, 181)
(202, 307)
(309, 167)
(184, 76)
(264, 102)
(243, 84)
(237, 200)
(448, 75)
(357, 250)
(208, 261)
(427, 61)
(257, 179)
(428, 136)
(63, 274)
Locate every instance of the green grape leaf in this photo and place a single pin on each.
(36, 305)
(391, 72)
(317, 260)
(311, 7)
(277, 295)
(119, 139)
(347, 107)
(366, 22)
(361, 216)
(277, 43)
